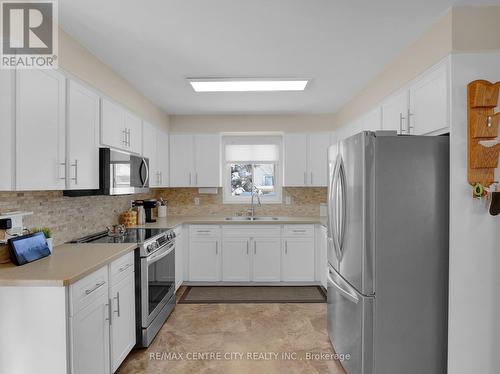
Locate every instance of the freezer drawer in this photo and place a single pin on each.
(350, 324)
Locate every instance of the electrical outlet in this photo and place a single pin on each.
(197, 201)
(288, 200)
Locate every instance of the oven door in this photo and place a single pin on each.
(157, 282)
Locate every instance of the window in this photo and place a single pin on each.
(252, 164)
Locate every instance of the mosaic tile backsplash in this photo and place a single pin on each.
(305, 203)
(74, 217)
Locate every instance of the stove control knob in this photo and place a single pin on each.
(152, 247)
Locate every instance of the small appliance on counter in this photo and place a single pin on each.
(11, 226)
(28, 248)
(148, 206)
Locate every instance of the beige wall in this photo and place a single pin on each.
(77, 60)
(476, 29)
(230, 123)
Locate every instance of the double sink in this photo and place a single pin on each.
(246, 218)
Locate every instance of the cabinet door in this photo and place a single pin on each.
(162, 147)
(113, 133)
(82, 137)
(90, 338)
(179, 261)
(150, 151)
(40, 130)
(123, 320)
(181, 160)
(7, 143)
(266, 259)
(318, 158)
(207, 160)
(204, 260)
(298, 260)
(133, 125)
(236, 260)
(429, 102)
(395, 113)
(295, 163)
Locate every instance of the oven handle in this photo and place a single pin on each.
(158, 257)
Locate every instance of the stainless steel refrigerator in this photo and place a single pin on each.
(388, 219)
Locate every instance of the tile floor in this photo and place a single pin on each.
(225, 329)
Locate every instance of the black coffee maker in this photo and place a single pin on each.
(148, 205)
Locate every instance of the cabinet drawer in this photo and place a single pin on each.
(251, 231)
(204, 231)
(298, 230)
(88, 289)
(120, 268)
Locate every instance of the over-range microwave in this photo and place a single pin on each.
(120, 173)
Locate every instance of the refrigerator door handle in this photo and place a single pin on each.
(348, 294)
(343, 212)
(334, 208)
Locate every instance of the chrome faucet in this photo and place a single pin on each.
(255, 192)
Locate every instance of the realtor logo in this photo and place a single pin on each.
(29, 34)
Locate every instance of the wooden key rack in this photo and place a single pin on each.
(482, 131)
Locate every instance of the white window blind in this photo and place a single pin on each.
(252, 152)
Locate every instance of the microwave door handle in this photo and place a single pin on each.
(147, 172)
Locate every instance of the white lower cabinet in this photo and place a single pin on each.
(266, 260)
(252, 253)
(179, 257)
(90, 343)
(236, 260)
(123, 320)
(298, 259)
(102, 318)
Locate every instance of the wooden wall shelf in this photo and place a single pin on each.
(483, 123)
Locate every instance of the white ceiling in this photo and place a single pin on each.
(340, 44)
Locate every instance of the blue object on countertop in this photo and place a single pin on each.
(28, 248)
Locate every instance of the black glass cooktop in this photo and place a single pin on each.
(130, 236)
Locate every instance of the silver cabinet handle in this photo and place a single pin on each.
(117, 298)
(108, 307)
(196, 178)
(161, 177)
(75, 165)
(311, 178)
(286, 247)
(124, 141)
(97, 286)
(190, 178)
(409, 121)
(202, 231)
(216, 248)
(305, 177)
(128, 138)
(254, 247)
(58, 170)
(298, 230)
(248, 245)
(401, 119)
(124, 267)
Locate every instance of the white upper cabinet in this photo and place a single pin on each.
(306, 159)
(194, 160)
(155, 148)
(163, 156)
(120, 128)
(318, 158)
(181, 160)
(395, 113)
(82, 137)
(207, 160)
(133, 125)
(7, 79)
(295, 164)
(429, 102)
(150, 151)
(40, 130)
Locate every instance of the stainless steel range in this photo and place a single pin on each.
(154, 276)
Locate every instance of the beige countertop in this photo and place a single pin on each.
(67, 264)
(173, 221)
